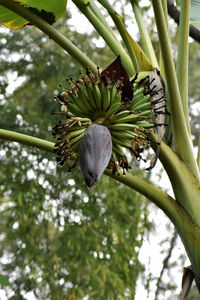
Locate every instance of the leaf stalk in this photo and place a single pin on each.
(182, 139)
(54, 34)
(183, 54)
(144, 35)
(26, 140)
(139, 59)
(115, 46)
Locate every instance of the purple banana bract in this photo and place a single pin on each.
(95, 152)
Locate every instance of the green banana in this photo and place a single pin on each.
(75, 110)
(120, 115)
(124, 135)
(90, 96)
(140, 99)
(144, 106)
(122, 126)
(114, 157)
(118, 151)
(75, 128)
(146, 113)
(84, 99)
(144, 124)
(76, 139)
(105, 96)
(135, 104)
(113, 92)
(138, 89)
(124, 143)
(129, 118)
(75, 133)
(112, 110)
(117, 98)
(97, 96)
(76, 101)
(75, 146)
(137, 96)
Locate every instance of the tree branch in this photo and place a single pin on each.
(175, 14)
(165, 263)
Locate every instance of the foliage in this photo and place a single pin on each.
(195, 8)
(48, 10)
(62, 241)
(58, 238)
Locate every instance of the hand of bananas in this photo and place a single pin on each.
(125, 110)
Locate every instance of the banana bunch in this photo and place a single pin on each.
(69, 134)
(96, 99)
(129, 127)
(92, 98)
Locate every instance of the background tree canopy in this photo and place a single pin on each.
(59, 239)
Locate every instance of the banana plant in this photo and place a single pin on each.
(129, 98)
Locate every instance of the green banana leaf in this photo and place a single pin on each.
(139, 57)
(195, 13)
(140, 60)
(49, 10)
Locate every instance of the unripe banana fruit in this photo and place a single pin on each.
(107, 113)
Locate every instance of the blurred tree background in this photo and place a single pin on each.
(59, 239)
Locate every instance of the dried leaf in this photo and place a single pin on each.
(188, 276)
(141, 60)
(158, 104)
(117, 73)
